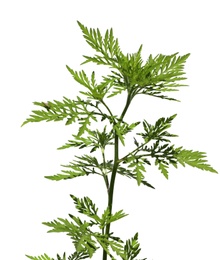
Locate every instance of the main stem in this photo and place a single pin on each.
(114, 171)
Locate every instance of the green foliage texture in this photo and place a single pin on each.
(156, 77)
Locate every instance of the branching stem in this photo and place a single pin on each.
(114, 170)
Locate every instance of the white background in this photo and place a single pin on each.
(180, 219)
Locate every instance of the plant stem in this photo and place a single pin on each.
(111, 189)
(114, 171)
(104, 170)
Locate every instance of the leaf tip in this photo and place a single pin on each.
(24, 123)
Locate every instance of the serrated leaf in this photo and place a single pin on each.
(83, 166)
(42, 257)
(66, 175)
(78, 231)
(139, 168)
(159, 130)
(85, 123)
(87, 207)
(117, 247)
(107, 46)
(57, 111)
(118, 215)
(163, 168)
(194, 158)
(132, 248)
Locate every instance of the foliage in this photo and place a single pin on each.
(157, 77)
(75, 256)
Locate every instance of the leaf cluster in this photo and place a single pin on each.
(95, 139)
(157, 75)
(75, 256)
(161, 151)
(86, 241)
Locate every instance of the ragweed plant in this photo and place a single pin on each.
(156, 77)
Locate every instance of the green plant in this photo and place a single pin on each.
(128, 73)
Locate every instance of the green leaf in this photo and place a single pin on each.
(94, 139)
(138, 166)
(194, 159)
(158, 131)
(164, 155)
(107, 46)
(163, 168)
(128, 173)
(85, 123)
(95, 91)
(81, 78)
(79, 142)
(66, 175)
(122, 128)
(75, 256)
(107, 218)
(87, 207)
(160, 74)
(78, 231)
(85, 165)
(116, 216)
(119, 133)
(58, 111)
(42, 257)
(117, 247)
(132, 248)
(78, 256)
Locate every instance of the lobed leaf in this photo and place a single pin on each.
(87, 207)
(132, 248)
(194, 159)
(106, 45)
(107, 218)
(74, 256)
(42, 257)
(71, 110)
(85, 165)
(163, 168)
(158, 131)
(138, 167)
(78, 231)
